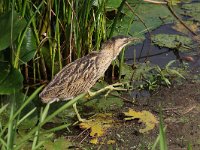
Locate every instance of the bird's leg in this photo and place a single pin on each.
(110, 88)
(107, 93)
(77, 114)
(91, 94)
(115, 87)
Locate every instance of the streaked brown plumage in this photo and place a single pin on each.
(80, 75)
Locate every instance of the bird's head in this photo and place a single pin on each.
(116, 44)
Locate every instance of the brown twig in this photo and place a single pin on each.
(84, 137)
(189, 109)
(141, 57)
(179, 19)
(172, 108)
(127, 4)
(155, 2)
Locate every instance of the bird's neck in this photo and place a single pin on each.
(110, 53)
(107, 55)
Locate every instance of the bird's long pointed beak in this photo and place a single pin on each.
(132, 39)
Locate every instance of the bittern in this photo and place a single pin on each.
(79, 76)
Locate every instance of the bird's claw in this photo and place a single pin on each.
(91, 94)
(113, 87)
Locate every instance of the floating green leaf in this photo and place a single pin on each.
(19, 24)
(153, 19)
(148, 13)
(192, 10)
(179, 42)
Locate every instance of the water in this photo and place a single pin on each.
(160, 56)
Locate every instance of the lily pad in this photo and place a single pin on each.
(153, 19)
(6, 21)
(192, 10)
(131, 24)
(179, 42)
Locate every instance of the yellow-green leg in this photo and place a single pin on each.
(109, 88)
(77, 114)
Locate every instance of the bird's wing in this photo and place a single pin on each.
(74, 78)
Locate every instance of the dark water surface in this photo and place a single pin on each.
(146, 51)
(159, 56)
